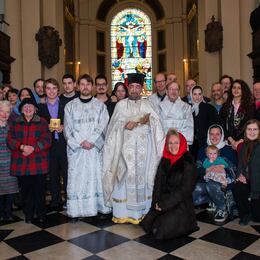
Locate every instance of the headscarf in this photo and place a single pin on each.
(195, 106)
(221, 143)
(182, 149)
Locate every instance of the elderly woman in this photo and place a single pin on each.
(29, 140)
(248, 175)
(211, 191)
(8, 184)
(204, 115)
(172, 214)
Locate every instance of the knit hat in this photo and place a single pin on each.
(27, 101)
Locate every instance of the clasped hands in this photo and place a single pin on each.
(130, 125)
(86, 145)
(27, 150)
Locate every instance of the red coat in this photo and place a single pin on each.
(35, 133)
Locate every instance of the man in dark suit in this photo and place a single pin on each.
(53, 112)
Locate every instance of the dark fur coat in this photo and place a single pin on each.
(172, 192)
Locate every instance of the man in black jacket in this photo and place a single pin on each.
(53, 112)
(69, 88)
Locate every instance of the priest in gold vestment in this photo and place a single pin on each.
(132, 150)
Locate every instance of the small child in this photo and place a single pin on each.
(213, 159)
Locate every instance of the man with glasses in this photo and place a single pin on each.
(102, 95)
(160, 86)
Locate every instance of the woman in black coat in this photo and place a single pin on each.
(172, 212)
(204, 115)
(248, 176)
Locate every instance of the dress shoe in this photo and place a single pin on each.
(56, 208)
(245, 220)
(74, 220)
(42, 220)
(28, 221)
(9, 219)
(101, 216)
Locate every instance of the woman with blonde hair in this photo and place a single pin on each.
(172, 213)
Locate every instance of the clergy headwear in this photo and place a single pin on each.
(136, 78)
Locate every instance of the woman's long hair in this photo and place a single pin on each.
(28, 90)
(116, 87)
(246, 98)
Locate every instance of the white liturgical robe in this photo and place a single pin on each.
(177, 115)
(85, 121)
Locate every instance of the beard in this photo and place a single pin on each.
(85, 93)
(134, 97)
(41, 95)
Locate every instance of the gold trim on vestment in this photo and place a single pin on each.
(127, 220)
(119, 201)
(125, 200)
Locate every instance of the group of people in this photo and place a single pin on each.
(149, 161)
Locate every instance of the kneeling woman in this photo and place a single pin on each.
(172, 212)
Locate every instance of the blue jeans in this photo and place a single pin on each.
(210, 191)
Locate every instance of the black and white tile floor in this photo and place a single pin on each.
(102, 239)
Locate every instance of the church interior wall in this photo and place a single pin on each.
(26, 17)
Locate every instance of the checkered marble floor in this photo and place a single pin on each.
(96, 239)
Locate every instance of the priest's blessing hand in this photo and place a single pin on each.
(144, 119)
(131, 125)
(86, 145)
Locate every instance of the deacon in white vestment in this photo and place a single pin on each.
(133, 148)
(175, 113)
(85, 123)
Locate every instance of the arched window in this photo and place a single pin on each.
(131, 46)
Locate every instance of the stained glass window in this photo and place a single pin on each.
(131, 46)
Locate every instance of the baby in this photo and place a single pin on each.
(215, 166)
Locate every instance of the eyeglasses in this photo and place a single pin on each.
(159, 81)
